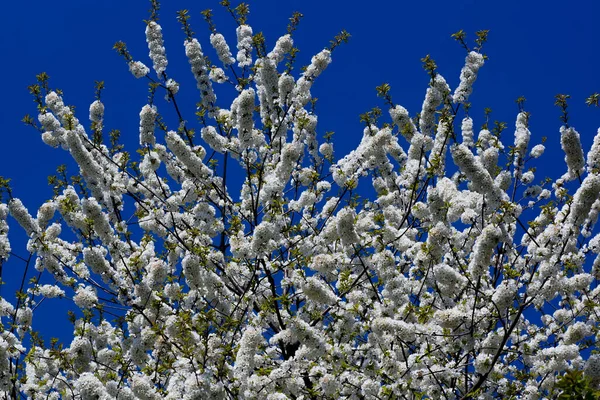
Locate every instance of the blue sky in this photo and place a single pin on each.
(536, 49)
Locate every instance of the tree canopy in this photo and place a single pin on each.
(234, 255)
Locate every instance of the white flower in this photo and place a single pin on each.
(318, 63)
(449, 280)
(451, 317)
(480, 178)
(155, 45)
(534, 191)
(317, 291)
(306, 199)
(326, 149)
(20, 213)
(193, 51)
(576, 332)
(537, 150)
(263, 236)
(102, 226)
(522, 136)
(97, 112)
(571, 145)
(4, 242)
(45, 213)
(188, 157)
(244, 360)
(504, 295)
(138, 69)
(433, 98)
(403, 121)
(468, 75)
(286, 85)
(217, 75)
(483, 249)
(245, 120)
(345, 226)
(214, 139)
(584, 198)
(172, 86)
(191, 269)
(283, 46)
(244, 45)
(592, 367)
(147, 120)
(220, 45)
(593, 156)
(398, 327)
(90, 387)
(467, 132)
(91, 170)
(51, 291)
(85, 297)
(527, 177)
(94, 257)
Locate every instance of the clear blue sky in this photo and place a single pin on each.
(536, 49)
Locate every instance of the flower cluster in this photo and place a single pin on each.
(147, 120)
(220, 45)
(571, 145)
(282, 47)
(468, 75)
(156, 46)
(138, 69)
(193, 51)
(244, 45)
(4, 243)
(97, 113)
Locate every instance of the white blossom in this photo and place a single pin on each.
(50, 291)
(220, 45)
(476, 173)
(283, 46)
(97, 113)
(138, 69)
(19, 212)
(593, 156)
(318, 292)
(537, 150)
(214, 139)
(483, 249)
(188, 157)
(245, 121)
(345, 226)
(522, 136)
(85, 297)
(255, 266)
(90, 387)
(433, 99)
(571, 145)
(244, 45)
(193, 51)
(217, 75)
(592, 367)
(147, 120)
(172, 86)
(4, 242)
(155, 45)
(244, 362)
(401, 118)
(468, 75)
(467, 132)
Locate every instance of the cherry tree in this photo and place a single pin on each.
(426, 263)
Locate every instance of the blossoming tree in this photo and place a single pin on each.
(459, 277)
